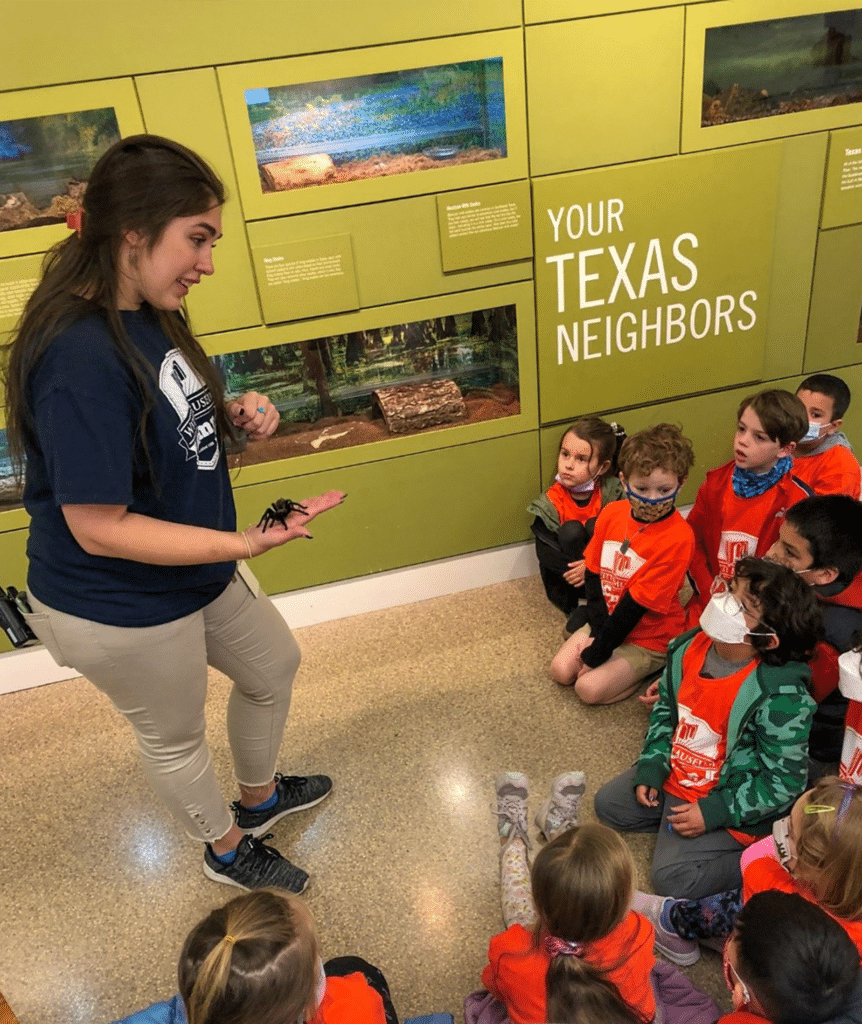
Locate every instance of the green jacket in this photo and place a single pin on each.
(766, 760)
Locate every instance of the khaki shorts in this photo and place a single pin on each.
(642, 660)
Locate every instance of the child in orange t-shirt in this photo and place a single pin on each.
(726, 750)
(789, 963)
(635, 566)
(823, 458)
(257, 958)
(565, 515)
(740, 506)
(568, 919)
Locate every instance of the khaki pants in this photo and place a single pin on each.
(157, 677)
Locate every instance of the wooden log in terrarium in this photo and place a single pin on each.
(416, 406)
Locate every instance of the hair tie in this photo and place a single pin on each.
(560, 947)
(849, 792)
(229, 938)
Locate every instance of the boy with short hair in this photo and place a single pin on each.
(821, 541)
(635, 565)
(741, 505)
(824, 458)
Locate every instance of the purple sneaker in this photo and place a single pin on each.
(684, 952)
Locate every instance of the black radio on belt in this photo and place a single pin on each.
(12, 604)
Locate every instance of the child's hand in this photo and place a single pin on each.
(647, 796)
(574, 575)
(687, 820)
(650, 696)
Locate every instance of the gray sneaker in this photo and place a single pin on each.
(513, 791)
(256, 866)
(560, 811)
(293, 792)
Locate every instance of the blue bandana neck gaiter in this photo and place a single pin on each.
(749, 485)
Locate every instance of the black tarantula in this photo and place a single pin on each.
(278, 512)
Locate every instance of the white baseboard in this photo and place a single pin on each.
(33, 666)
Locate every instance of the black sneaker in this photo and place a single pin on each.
(256, 866)
(294, 793)
(577, 619)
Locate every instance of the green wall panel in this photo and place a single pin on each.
(836, 300)
(402, 511)
(798, 209)
(536, 11)
(396, 249)
(228, 299)
(665, 290)
(105, 39)
(622, 106)
(842, 199)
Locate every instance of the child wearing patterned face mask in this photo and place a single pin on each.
(725, 754)
(635, 565)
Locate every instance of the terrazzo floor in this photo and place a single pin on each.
(412, 710)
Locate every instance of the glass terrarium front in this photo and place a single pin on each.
(371, 385)
(782, 66)
(370, 126)
(45, 163)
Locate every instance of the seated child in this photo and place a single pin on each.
(726, 750)
(740, 505)
(565, 514)
(569, 913)
(821, 540)
(823, 458)
(789, 963)
(635, 565)
(816, 852)
(256, 960)
(573, 951)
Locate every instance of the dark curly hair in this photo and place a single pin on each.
(788, 606)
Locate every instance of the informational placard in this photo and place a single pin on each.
(297, 280)
(842, 201)
(18, 277)
(652, 279)
(483, 226)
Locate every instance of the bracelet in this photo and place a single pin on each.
(244, 536)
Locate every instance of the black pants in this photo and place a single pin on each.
(555, 551)
(340, 966)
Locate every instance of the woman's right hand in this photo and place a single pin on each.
(263, 537)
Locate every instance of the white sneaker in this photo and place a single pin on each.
(513, 791)
(560, 811)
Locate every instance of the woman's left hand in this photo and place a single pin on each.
(255, 414)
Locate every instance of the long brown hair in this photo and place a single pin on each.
(582, 885)
(252, 961)
(140, 184)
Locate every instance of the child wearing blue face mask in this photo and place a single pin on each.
(726, 751)
(635, 565)
(824, 458)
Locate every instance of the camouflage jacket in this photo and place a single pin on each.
(766, 760)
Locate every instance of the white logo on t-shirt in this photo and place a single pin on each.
(617, 568)
(695, 749)
(734, 544)
(193, 404)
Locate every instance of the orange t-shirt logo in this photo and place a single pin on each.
(617, 568)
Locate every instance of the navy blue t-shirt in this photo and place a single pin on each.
(87, 409)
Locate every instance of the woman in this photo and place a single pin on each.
(133, 574)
